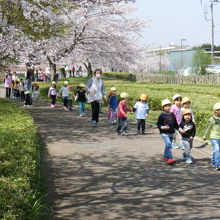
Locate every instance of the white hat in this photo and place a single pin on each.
(176, 96)
(166, 102)
(216, 106)
(124, 95)
(185, 100)
(53, 82)
(65, 82)
(113, 89)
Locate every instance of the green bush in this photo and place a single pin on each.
(19, 164)
(120, 75)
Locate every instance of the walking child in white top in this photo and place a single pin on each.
(65, 94)
(52, 93)
(141, 109)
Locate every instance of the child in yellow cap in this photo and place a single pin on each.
(167, 125)
(187, 129)
(141, 110)
(112, 106)
(123, 110)
(213, 132)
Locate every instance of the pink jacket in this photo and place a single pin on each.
(123, 109)
(177, 112)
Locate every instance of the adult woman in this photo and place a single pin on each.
(8, 84)
(96, 91)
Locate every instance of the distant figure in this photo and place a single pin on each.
(8, 84)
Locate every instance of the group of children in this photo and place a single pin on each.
(68, 96)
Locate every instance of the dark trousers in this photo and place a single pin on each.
(122, 124)
(70, 104)
(95, 111)
(53, 97)
(65, 101)
(22, 96)
(141, 124)
(28, 100)
(8, 93)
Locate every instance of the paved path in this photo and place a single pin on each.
(92, 173)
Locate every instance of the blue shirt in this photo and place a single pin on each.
(113, 101)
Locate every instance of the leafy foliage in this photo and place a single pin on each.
(19, 164)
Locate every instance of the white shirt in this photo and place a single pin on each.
(141, 110)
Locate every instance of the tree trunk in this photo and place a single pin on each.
(53, 67)
(88, 68)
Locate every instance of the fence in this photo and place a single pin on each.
(177, 79)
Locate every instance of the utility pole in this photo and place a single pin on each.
(213, 30)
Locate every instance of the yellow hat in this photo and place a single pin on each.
(65, 82)
(187, 111)
(216, 106)
(124, 95)
(166, 102)
(176, 96)
(185, 100)
(143, 97)
(82, 85)
(53, 82)
(113, 89)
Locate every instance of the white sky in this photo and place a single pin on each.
(173, 20)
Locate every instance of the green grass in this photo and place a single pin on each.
(20, 196)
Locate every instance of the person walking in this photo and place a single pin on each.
(213, 132)
(8, 85)
(96, 92)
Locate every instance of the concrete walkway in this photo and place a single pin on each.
(92, 173)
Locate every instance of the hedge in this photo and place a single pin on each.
(20, 196)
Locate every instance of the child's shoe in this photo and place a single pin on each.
(143, 132)
(119, 132)
(52, 106)
(125, 133)
(170, 161)
(189, 161)
(184, 156)
(217, 168)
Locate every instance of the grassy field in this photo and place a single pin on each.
(203, 97)
(20, 196)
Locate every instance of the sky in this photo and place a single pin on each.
(173, 20)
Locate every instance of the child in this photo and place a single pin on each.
(112, 106)
(81, 98)
(213, 131)
(186, 105)
(167, 124)
(52, 93)
(122, 114)
(64, 91)
(14, 88)
(36, 91)
(70, 98)
(141, 109)
(187, 129)
(27, 91)
(21, 88)
(176, 109)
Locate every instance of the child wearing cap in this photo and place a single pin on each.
(122, 114)
(187, 130)
(167, 124)
(112, 106)
(176, 110)
(52, 93)
(213, 132)
(64, 91)
(36, 91)
(81, 97)
(186, 105)
(21, 88)
(141, 109)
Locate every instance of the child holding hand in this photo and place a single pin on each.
(122, 114)
(141, 109)
(167, 124)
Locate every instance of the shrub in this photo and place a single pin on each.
(19, 164)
